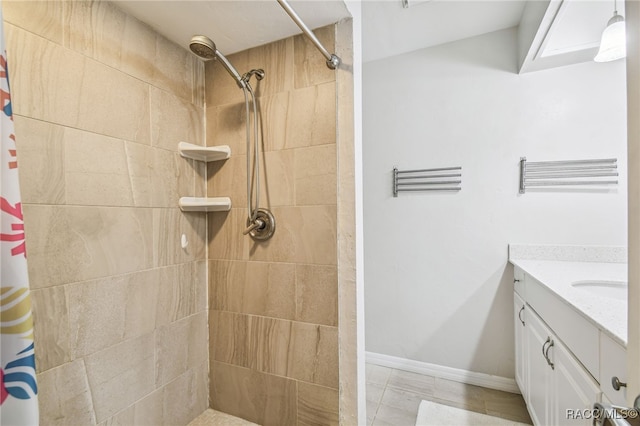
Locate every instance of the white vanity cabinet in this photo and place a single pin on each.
(573, 388)
(519, 329)
(538, 386)
(613, 363)
(550, 377)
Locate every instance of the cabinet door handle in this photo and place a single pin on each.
(546, 355)
(515, 280)
(617, 384)
(520, 315)
(543, 346)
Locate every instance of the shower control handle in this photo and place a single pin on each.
(257, 224)
(262, 226)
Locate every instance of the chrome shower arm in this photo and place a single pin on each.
(333, 61)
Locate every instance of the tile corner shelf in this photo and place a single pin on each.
(202, 204)
(204, 153)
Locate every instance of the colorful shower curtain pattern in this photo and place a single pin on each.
(18, 388)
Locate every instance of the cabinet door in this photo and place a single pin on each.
(519, 324)
(539, 373)
(574, 390)
(613, 363)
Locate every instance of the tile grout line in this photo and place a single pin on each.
(384, 389)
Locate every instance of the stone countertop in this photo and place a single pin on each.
(606, 313)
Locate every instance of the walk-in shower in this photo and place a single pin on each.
(261, 223)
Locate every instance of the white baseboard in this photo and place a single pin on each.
(449, 373)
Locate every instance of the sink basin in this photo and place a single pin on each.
(611, 289)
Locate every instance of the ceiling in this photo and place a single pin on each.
(568, 32)
(578, 26)
(388, 29)
(233, 25)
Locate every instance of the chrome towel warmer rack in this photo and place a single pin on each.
(567, 173)
(427, 180)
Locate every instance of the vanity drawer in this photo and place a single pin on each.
(613, 363)
(575, 331)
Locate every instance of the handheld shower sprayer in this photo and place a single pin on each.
(260, 222)
(206, 49)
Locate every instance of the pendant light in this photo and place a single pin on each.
(613, 44)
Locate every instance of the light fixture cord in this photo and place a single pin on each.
(615, 7)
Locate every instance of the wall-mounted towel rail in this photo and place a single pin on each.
(427, 180)
(567, 173)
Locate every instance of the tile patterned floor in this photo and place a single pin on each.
(393, 397)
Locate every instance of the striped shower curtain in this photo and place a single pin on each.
(18, 389)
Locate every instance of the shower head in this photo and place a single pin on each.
(203, 46)
(206, 49)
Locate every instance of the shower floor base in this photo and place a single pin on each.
(216, 418)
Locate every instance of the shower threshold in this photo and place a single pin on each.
(217, 418)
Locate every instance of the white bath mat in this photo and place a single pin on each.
(434, 414)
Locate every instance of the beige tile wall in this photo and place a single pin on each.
(274, 305)
(101, 102)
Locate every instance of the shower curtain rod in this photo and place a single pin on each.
(332, 60)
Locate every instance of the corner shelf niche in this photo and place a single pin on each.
(205, 154)
(202, 204)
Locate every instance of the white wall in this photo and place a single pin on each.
(438, 286)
